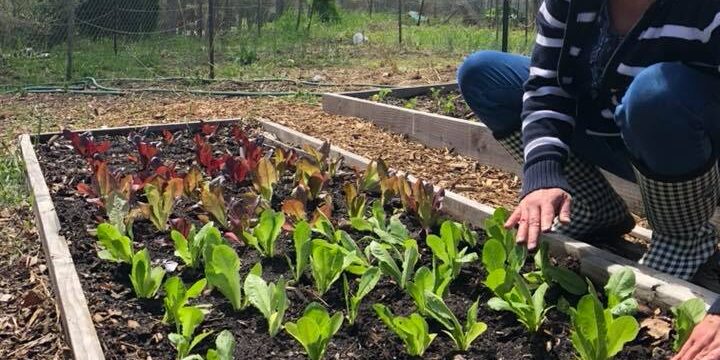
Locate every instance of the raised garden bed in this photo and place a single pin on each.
(431, 126)
(102, 316)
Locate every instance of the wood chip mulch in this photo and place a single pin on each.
(29, 324)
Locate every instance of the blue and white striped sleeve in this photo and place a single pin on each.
(548, 110)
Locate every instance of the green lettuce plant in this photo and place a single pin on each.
(315, 329)
(392, 232)
(412, 330)
(222, 270)
(270, 299)
(685, 317)
(188, 319)
(386, 256)
(368, 281)
(427, 280)
(529, 308)
(303, 247)
(463, 336)
(445, 248)
(265, 234)
(327, 262)
(114, 246)
(145, 279)
(177, 296)
(190, 249)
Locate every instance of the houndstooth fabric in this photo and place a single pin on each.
(679, 213)
(596, 206)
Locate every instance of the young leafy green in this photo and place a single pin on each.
(388, 265)
(619, 291)
(114, 246)
(315, 329)
(355, 201)
(392, 232)
(222, 270)
(421, 199)
(569, 280)
(265, 179)
(327, 262)
(463, 336)
(270, 299)
(445, 248)
(426, 280)
(224, 347)
(161, 196)
(177, 296)
(368, 281)
(413, 330)
(596, 333)
(303, 246)
(685, 317)
(184, 340)
(500, 251)
(213, 201)
(529, 308)
(266, 233)
(146, 280)
(370, 180)
(190, 249)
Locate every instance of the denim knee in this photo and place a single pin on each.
(491, 83)
(662, 119)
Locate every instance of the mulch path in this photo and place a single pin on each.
(29, 325)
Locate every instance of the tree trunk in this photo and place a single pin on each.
(420, 13)
(400, 12)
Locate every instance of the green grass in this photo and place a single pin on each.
(242, 54)
(12, 190)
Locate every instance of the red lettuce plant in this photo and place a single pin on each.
(205, 157)
(85, 145)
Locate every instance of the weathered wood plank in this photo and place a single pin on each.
(654, 287)
(77, 323)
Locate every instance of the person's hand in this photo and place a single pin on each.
(536, 213)
(704, 342)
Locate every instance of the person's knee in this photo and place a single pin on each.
(478, 70)
(660, 120)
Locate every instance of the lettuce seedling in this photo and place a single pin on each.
(315, 329)
(190, 248)
(114, 246)
(284, 159)
(161, 196)
(168, 137)
(269, 299)
(445, 248)
(85, 145)
(222, 270)
(213, 201)
(224, 347)
(177, 296)
(321, 158)
(413, 330)
(596, 333)
(368, 281)
(375, 172)
(189, 318)
(389, 188)
(237, 169)
(146, 280)
(685, 317)
(569, 280)
(265, 179)
(421, 199)
(303, 247)
(393, 232)
(192, 182)
(327, 262)
(205, 157)
(266, 232)
(619, 291)
(388, 264)
(427, 280)
(463, 336)
(354, 201)
(242, 211)
(529, 308)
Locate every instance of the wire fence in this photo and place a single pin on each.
(56, 41)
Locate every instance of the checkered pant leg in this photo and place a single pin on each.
(596, 206)
(679, 214)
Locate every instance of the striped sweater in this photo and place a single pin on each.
(670, 31)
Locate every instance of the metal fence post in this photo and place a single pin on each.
(70, 7)
(505, 24)
(211, 37)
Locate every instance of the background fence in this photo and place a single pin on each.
(52, 41)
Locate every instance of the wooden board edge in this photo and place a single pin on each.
(75, 316)
(403, 91)
(150, 127)
(653, 287)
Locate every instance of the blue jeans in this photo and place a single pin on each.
(669, 118)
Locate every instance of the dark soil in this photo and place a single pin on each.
(448, 103)
(132, 329)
